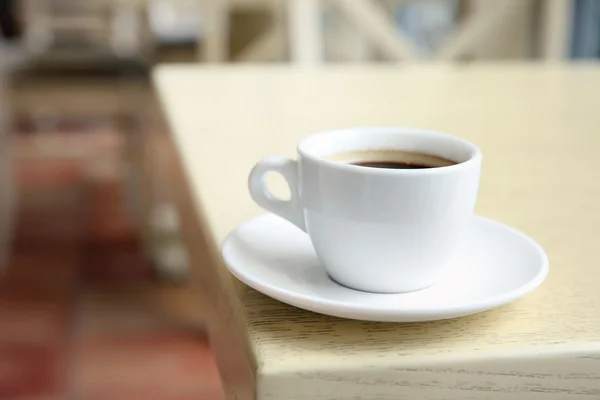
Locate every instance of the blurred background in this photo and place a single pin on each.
(95, 301)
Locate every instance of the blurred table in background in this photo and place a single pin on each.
(538, 129)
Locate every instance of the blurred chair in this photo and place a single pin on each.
(485, 30)
(106, 36)
(204, 21)
(294, 29)
(556, 29)
(295, 32)
(373, 19)
(272, 44)
(89, 31)
(214, 21)
(214, 28)
(105, 39)
(297, 29)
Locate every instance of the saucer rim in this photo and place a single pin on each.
(343, 309)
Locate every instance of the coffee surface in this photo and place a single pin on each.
(390, 165)
(391, 159)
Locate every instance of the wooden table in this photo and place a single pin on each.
(539, 130)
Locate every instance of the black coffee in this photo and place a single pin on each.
(391, 159)
(391, 165)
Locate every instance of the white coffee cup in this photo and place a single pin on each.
(376, 229)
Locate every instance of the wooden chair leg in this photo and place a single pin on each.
(305, 27)
(214, 30)
(476, 29)
(556, 28)
(375, 23)
(272, 44)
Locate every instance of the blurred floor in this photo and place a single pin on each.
(82, 316)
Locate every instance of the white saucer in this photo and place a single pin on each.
(497, 265)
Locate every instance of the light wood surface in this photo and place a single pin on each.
(539, 129)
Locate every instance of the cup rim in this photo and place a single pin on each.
(475, 157)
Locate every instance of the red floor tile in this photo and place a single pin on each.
(37, 297)
(87, 142)
(215, 394)
(110, 228)
(108, 219)
(80, 297)
(49, 172)
(167, 364)
(56, 200)
(35, 318)
(106, 194)
(122, 308)
(45, 228)
(29, 372)
(115, 263)
(42, 270)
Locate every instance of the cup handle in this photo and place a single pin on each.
(257, 183)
